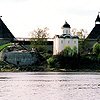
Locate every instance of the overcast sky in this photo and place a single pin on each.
(23, 16)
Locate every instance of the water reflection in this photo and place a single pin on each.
(49, 86)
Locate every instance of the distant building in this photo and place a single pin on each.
(66, 39)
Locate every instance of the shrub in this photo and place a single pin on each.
(51, 61)
(96, 48)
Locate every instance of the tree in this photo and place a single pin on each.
(39, 38)
(83, 46)
(40, 34)
(96, 48)
(74, 50)
(80, 33)
(68, 51)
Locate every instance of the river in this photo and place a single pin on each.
(50, 86)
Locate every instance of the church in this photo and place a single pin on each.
(66, 39)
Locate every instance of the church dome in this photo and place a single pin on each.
(66, 25)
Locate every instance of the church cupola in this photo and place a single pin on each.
(97, 21)
(66, 25)
(66, 28)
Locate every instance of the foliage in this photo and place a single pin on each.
(96, 48)
(64, 59)
(4, 46)
(40, 34)
(83, 44)
(5, 67)
(68, 51)
(68, 59)
(38, 39)
(74, 50)
(80, 33)
(51, 61)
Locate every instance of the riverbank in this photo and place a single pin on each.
(11, 68)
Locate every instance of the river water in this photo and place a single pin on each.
(50, 86)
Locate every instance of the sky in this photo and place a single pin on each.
(24, 16)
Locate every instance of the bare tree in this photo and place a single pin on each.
(39, 39)
(40, 34)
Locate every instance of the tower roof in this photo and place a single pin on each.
(4, 31)
(97, 19)
(66, 25)
(95, 33)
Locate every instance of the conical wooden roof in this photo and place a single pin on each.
(97, 19)
(4, 31)
(95, 33)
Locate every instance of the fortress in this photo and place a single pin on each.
(59, 42)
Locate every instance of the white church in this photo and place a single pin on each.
(66, 39)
